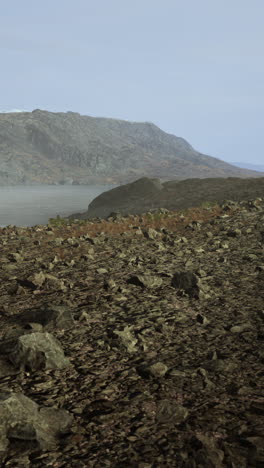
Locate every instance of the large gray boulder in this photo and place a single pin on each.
(38, 351)
(23, 419)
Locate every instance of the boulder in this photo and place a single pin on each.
(170, 412)
(50, 316)
(187, 281)
(150, 233)
(37, 351)
(23, 419)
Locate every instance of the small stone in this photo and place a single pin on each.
(261, 314)
(150, 233)
(127, 338)
(109, 284)
(234, 233)
(15, 257)
(184, 240)
(202, 319)
(146, 280)
(169, 411)
(58, 240)
(240, 328)
(158, 370)
(201, 273)
(101, 271)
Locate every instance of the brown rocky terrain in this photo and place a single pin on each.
(134, 341)
(151, 194)
(42, 147)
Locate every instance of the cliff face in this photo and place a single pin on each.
(46, 147)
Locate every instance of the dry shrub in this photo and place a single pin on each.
(173, 221)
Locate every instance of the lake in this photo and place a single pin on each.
(30, 205)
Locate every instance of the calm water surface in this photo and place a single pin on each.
(27, 206)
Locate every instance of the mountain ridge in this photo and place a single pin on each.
(48, 147)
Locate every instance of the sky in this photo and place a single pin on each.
(195, 68)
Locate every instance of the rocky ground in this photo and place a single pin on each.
(134, 341)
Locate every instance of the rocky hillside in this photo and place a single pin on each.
(46, 147)
(151, 194)
(134, 342)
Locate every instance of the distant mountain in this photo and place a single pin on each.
(11, 111)
(46, 147)
(253, 167)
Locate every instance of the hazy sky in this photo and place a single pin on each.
(193, 67)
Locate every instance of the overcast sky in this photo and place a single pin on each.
(193, 67)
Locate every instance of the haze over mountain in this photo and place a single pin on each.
(46, 147)
(247, 165)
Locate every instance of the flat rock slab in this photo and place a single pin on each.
(145, 281)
